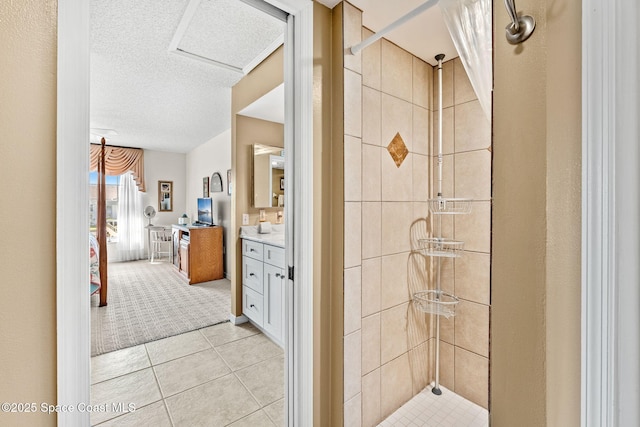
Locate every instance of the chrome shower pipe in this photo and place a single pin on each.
(436, 387)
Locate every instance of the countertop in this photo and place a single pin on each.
(275, 238)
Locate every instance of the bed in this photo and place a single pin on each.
(94, 265)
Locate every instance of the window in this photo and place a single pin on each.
(112, 184)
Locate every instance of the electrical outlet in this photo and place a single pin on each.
(245, 219)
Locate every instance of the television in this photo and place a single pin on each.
(205, 211)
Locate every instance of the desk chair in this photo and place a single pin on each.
(158, 237)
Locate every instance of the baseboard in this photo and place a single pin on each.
(237, 320)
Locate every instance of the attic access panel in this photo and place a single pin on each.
(231, 32)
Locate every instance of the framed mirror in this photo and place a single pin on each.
(165, 196)
(268, 176)
(216, 183)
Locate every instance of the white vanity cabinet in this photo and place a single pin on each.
(263, 280)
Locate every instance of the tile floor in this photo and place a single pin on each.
(223, 375)
(447, 410)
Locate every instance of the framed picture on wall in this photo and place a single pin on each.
(205, 187)
(165, 196)
(282, 183)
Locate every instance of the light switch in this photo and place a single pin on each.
(245, 219)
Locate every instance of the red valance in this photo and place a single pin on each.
(120, 160)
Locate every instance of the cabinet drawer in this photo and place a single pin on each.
(252, 249)
(252, 274)
(252, 305)
(274, 255)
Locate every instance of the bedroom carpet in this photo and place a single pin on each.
(148, 302)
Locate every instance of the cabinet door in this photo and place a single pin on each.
(175, 242)
(273, 310)
(184, 257)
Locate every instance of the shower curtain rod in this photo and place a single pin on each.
(377, 36)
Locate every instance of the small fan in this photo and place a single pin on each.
(149, 212)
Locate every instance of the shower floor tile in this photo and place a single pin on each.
(428, 410)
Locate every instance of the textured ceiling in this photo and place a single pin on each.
(142, 95)
(154, 99)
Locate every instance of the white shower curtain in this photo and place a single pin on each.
(131, 231)
(470, 26)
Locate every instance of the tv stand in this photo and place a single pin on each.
(197, 252)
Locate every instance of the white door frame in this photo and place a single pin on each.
(72, 246)
(610, 214)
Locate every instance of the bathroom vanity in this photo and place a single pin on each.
(263, 280)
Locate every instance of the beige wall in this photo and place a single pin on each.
(28, 170)
(244, 132)
(464, 351)
(535, 333)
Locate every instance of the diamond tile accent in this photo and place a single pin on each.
(398, 149)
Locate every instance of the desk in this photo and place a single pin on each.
(198, 252)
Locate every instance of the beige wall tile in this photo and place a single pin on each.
(352, 234)
(352, 28)
(353, 411)
(472, 377)
(419, 326)
(371, 66)
(352, 103)
(396, 181)
(447, 329)
(372, 172)
(397, 71)
(447, 85)
(422, 83)
(473, 278)
(421, 130)
(447, 364)
(393, 333)
(396, 227)
(472, 327)
(394, 289)
(475, 229)
(371, 399)
(371, 229)
(448, 146)
(421, 362)
(395, 385)
(472, 129)
(473, 175)
(371, 279)
(352, 299)
(463, 91)
(352, 365)
(447, 275)
(352, 169)
(396, 118)
(420, 210)
(370, 343)
(421, 182)
(371, 116)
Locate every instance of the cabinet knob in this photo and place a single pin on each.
(251, 250)
(251, 274)
(252, 306)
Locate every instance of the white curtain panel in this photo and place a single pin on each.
(470, 27)
(131, 231)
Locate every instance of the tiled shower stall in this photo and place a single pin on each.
(388, 344)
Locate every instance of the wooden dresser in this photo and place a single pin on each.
(198, 252)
